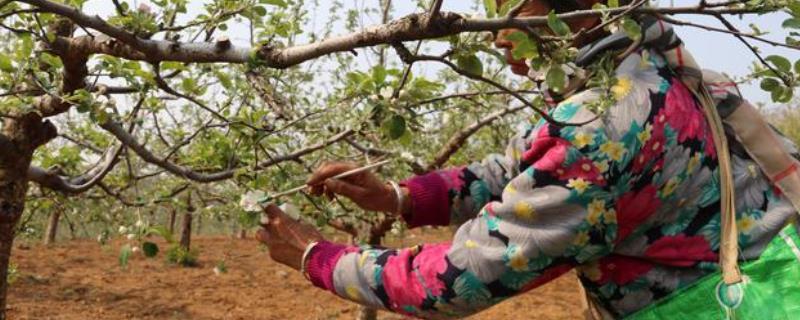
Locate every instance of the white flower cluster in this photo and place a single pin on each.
(130, 232)
(253, 201)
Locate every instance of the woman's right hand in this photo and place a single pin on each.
(365, 189)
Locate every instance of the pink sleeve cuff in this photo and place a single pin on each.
(321, 262)
(430, 202)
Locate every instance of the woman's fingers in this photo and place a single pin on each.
(346, 189)
(329, 170)
(263, 236)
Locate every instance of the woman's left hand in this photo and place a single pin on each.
(286, 238)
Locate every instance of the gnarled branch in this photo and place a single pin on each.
(408, 28)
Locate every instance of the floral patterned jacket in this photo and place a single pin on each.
(631, 200)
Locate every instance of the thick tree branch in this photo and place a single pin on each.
(51, 179)
(409, 28)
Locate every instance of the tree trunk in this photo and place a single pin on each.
(71, 226)
(20, 136)
(199, 224)
(186, 230)
(172, 215)
(6, 242)
(186, 227)
(243, 234)
(52, 227)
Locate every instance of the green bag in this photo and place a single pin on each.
(771, 289)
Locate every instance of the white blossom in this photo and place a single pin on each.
(131, 236)
(139, 223)
(123, 229)
(387, 92)
(251, 201)
(135, 249)
(144, 8)
(408, 156)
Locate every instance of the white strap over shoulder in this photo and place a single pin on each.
(729, 239)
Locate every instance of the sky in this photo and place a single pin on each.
(714, 51)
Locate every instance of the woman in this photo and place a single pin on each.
(631, 200)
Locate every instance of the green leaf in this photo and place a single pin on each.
(632, 28)
(797, 66)
(279, 3)
(783, 64)
(782, 94)
(613, 3)
(793, 23)
(507, 6)
(557, 25)
(379, 75)
(150, 249)
(163, 232)
(5, 64)
(491, 8)
(524, 47)
(556, 78)
(795, 7)
(770, 84)
(395, 126)
(259, 10)
(125, 254)
(471, 64)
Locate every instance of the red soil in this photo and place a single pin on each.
(82, 280)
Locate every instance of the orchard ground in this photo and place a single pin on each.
(82, 280)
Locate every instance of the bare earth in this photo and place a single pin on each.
(82, 280)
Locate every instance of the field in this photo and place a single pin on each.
(82, 280)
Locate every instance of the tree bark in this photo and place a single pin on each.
(186, 224)
(172, 215)
(199, 224)
(186, 230)
(52, 227)
(6, 242)
(72, 233)
(20, 136)
(242, 234)
(12, 203)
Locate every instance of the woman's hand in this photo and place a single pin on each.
(365, 189)
(286, 238)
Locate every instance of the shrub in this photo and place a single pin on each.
(179, 256)
(13, 273)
